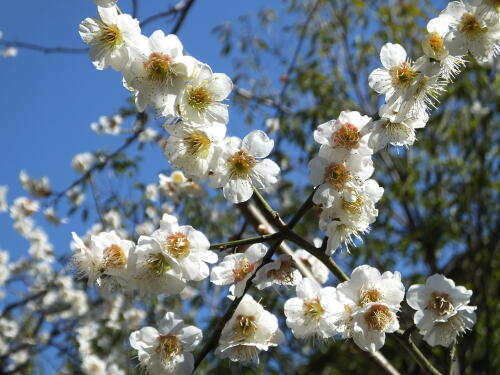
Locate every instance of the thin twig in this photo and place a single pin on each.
(44, 49)
(246, 241)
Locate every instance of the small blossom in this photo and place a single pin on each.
(39, 188)
(3, 198)
(250, 330)
(107, 254)
(443, 311)
(187, 246)
(242, 165)
(200, 101)
(314, 312)
(237, 268)
(168, 349)
(471, 31)
(194, 149)
(83, 162)
(107, 125)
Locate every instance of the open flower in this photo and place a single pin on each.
(187, 246)
(442, 309)
(237, 268)
(314, 312)
(194, 148)
(154, 270)
(157, 71)
(107, 254)
(168, 349)
(344, 133)
(371, 323)
(110, 37)
(434, 46)
(367, 286)
(250, 330)
(471, 31)
(201, 98)
(395, 129)
(242, 165)
(335, 172)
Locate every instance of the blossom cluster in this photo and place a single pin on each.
(191, 97)
(365, 308)
(186, 92)
(343, 166)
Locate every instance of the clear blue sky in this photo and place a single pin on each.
(48, 101)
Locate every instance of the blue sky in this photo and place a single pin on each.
(49, 100)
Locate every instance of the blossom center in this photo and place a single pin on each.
(199, 98)
(313, 309)
(402, 75)
(347, 137)
(440, 304)
(435, 41)
(198, 144)
(378, 317)
(243, 269)
(158, 264)
(369, 295)
(337, 175)
(169, 346)
(469, 24)
(110, 36)
(114, 257)
(245, 325)
(241, 164)
(159, 68)
(354, 207)
(177, 245)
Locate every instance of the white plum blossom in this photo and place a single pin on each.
(9, 52)
(237, 268)
(154, 270)
(395, 129)
(443, 311)
(434, 46)
(157, 71)
(110, 37)
(107, 254)
(168, 349)
(200, 101)
(108, 125)
(250, 330)
(314, 312)
(242, 165)
(3, 198)
(350, 215)
(83, 162)
(471, 31)
(93, 365)
(23, 207)
(397, 75)
(39, 188)
(336, 172)
(282, 271)
(368, 286)
(194, 148)
(345, 133)
(187, 246)
(371, 323)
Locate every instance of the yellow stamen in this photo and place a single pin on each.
(241, 164)
(177, 245)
